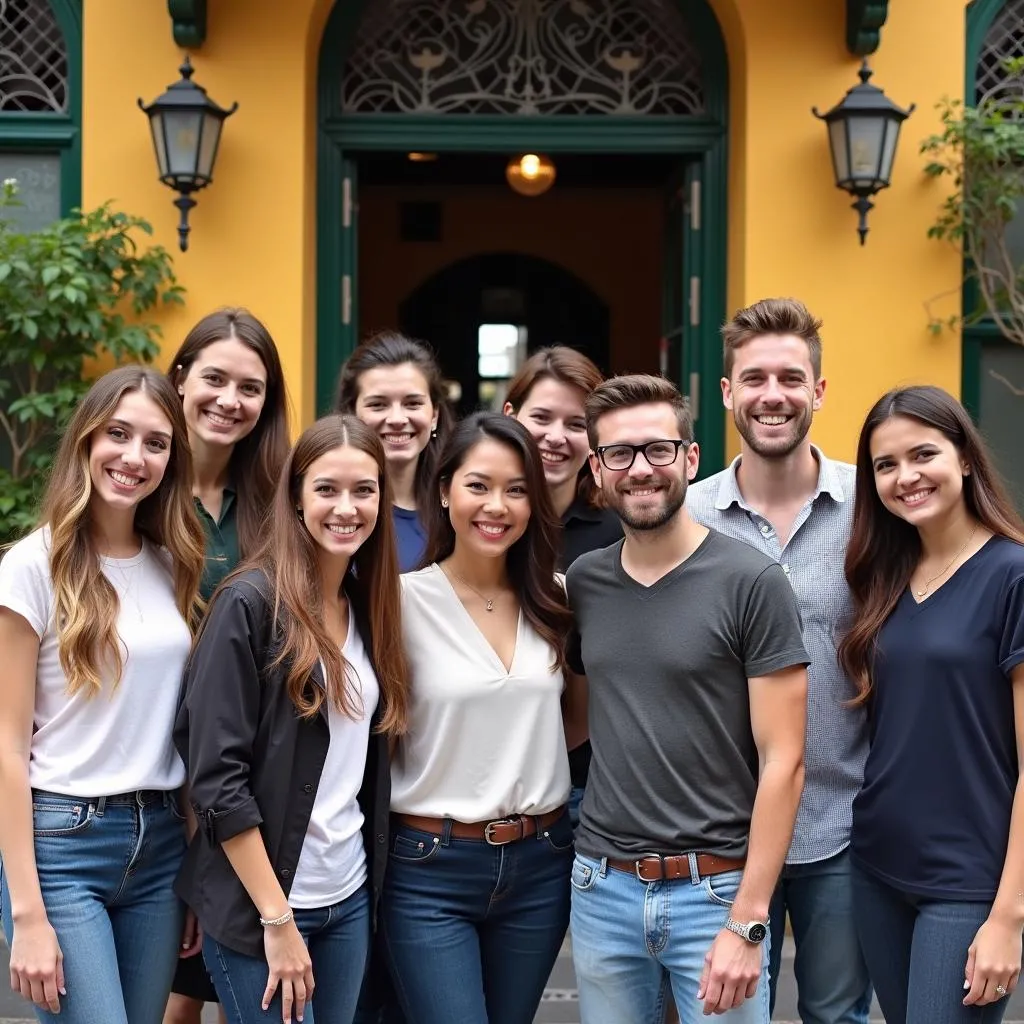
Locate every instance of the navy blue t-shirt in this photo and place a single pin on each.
(410, 538)
(933, 816)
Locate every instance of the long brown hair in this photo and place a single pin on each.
(288, 558)
(885, 549)
(390, 348)
(532, 558)
(255, 464)
(567, 366)
(85, 602)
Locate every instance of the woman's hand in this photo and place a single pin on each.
(290, 967)
(993, 962)
(37, 963)
(191, 936)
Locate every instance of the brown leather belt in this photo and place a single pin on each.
(665, 869)
(496, 833)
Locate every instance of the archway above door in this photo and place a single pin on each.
(367, 102)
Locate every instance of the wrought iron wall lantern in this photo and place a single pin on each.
(863, 130)
(186, 126)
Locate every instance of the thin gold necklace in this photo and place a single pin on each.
(488, 601)
(927, 583)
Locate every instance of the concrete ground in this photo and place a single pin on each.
(559, 1005)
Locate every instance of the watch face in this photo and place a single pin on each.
(757, 932)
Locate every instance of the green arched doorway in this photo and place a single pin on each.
(382, 112)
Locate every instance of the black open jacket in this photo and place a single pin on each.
(254, 763)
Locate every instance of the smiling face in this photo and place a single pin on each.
(553, 414)
(645, 497)
(340, 500)
(223, 393)
(395, 402)
(773, 394)
(487, 499)
(128, 455)
(919, 473)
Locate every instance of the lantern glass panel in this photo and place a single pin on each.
(840, 151)
(182, 132)
(866, 143)
(892, 134)
(156, 125)
(208, 146)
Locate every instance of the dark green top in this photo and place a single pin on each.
(222, 553)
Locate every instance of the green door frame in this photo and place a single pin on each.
(980, 15)
(53, 132)
(703, 139)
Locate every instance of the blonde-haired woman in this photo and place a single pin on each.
(95, 614)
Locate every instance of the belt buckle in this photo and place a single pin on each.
(489, 834)
(639, 861)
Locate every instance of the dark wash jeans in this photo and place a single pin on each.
(338, 940)
(831, 975)
(916, 949)
(471, 931)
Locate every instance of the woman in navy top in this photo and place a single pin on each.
(393, 384)
(936, 568)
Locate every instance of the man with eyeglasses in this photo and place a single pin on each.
(691, 644)
(782, 496)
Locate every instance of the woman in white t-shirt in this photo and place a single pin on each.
(95, 612)
(476, 899)
(294, 688)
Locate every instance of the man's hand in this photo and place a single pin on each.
(732, 969)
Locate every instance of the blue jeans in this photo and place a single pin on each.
(632, 941)
(916, 949)
(831, 976)
(106, 871)
(338, 940)
(471, 931)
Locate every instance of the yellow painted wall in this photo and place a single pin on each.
(790, 231)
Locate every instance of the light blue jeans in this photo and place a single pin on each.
(338, 940)
(831, 976)
(106, 869)
(634, 943)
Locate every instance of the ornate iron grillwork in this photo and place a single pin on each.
(1004, 41)
(33, 58)
(525, 57)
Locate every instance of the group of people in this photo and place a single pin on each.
(356, 730)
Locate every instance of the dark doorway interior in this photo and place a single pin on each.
(522, 302)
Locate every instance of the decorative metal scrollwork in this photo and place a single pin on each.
(1004, 41)
(628, 57)
(33, 58)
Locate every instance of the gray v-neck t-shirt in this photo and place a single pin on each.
(675, 765)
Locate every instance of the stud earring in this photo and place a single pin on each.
(444, 503)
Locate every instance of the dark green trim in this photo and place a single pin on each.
(980, 15)
(57, 133)
(864, 21)
(704, 138)
(188, 22)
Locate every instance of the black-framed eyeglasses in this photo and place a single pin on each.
(618, 457)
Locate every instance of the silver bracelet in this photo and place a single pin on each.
(276, 922)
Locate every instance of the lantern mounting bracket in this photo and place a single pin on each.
(188, 22)
(864, 21)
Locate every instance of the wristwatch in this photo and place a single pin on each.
(754, 932)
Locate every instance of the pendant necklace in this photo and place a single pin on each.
(923, 590)
(488, 601)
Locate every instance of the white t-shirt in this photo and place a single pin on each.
(120, 739)
(332, 864)
(483, 742)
